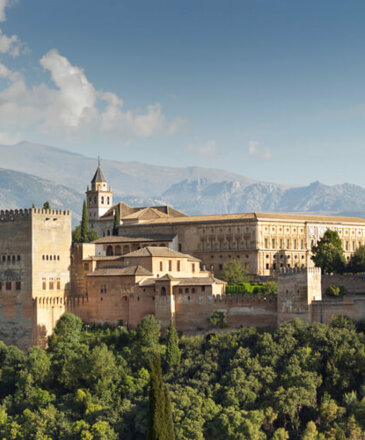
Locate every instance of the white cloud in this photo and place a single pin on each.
(10, 45)
(3, 4)
(74, 107)
(254, 150)
(209, 148)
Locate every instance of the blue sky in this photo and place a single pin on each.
(269, 89)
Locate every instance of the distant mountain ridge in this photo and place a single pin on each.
(62, 178)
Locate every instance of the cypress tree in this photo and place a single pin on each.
(46, 205)
(116, 221)
(160, 424)
(84, 224)
(173, 353)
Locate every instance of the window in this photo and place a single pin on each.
(161, 266)
(108, 199)
(51, 284)
(178, 265)
(180, 290)
(44, 284)
(58, 284)
(17, 285)
(281, 243)
(203, 288)
(193, 267)
(103, 288)
(86, 266)
(8, 285)
(273, 243)
(267, 266)
(180, 247)
(102, 200)
(1, 285)
(221, 267)
(301, 244)
(193, 290)
(287, 243)
(170, 265)
(266, 243)
(18, 257)
(294, 243)
(187, 290)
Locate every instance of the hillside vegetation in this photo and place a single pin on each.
(297, 382)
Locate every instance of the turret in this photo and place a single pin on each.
(99, 198)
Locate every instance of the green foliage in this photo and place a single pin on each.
(357, 261)
(116, 221)
(218, 320)
(46, 205)
(234, 273)
(173, 353)
(160, 424)
(268, 288)
(82, 233)
(295, 381)
(328, 253)
(336, 291)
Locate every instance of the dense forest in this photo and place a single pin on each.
(293, 382)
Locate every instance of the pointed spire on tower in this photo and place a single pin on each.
(99, 175)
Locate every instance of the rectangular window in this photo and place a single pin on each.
(203, 288)
(51, 284)
(193, 267)
(301, 244)
(170, 265)
(103, 288)
(161, 266)
(44, 284)
(273, 243)
(287, 243)
(353, 245)
(18, 285)
(58, 284)
(347, 245)
(86, 266)
(178, 265)
(1, 285)
(8, 285)
(266, 243)
(281, 243)
(295, 244)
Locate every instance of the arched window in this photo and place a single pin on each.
(102, 200)
(163, 291)
(118, 250)
(109, 251)
(108, 200)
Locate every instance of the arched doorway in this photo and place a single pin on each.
(109, 251)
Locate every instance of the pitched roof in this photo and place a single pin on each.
(256, 216)
(120, 271)
(98, 176)
(158, 251)
(134, 239)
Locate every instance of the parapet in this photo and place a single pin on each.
(290, 271)
(50, 211)
(10, 215)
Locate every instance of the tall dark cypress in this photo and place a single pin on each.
(173, 353)
(116, 221)
(160, 424)
(84, 224)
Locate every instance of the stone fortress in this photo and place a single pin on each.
(165, 263)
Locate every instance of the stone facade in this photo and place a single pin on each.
(34, 273)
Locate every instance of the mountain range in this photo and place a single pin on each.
(32, 173)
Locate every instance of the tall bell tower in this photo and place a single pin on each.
(99, 197)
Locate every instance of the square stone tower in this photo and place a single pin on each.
(35, 247)
(297, 289)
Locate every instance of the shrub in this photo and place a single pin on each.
(336, 291)
(218, 320)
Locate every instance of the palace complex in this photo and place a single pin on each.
(162, 262)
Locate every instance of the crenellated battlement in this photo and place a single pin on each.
(65, 212)
(298, 270)
(10, 215)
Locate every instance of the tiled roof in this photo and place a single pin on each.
(121, 271)
(158, 251)
(256, 216)
(132, 239)
(98, 176)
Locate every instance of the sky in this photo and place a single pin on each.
(270, 89)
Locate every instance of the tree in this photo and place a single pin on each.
(218, 320)
(68, 328)
(234, 273)
(173, 353)
(116, 221)
(148, 331)
(84, 225)
(328, 253)
(46, 205)
(357, 261)
(160, 424)
(310, 432)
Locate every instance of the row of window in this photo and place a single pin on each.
(10, 258)
(284, 244)
(282, 265)
(225, 230)
(284, 256)
(102, 200)
(192, 289)
(220, 244)
(50, 257)
(10, 285)
(52, 284)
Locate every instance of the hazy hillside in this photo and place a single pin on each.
(62, 178)
(20, 190)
